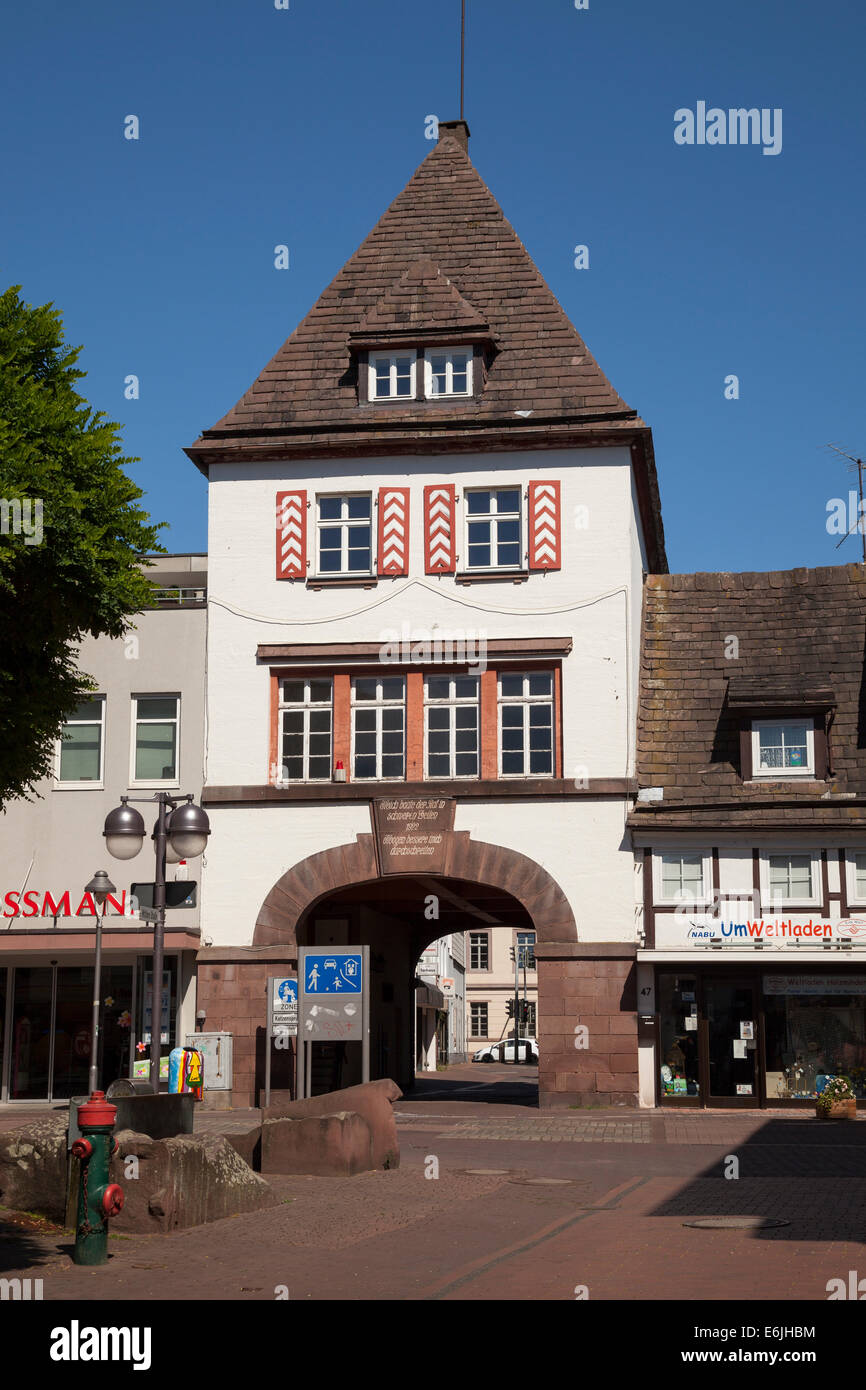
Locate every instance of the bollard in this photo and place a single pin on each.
(98, 1199)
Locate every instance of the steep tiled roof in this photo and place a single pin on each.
(423, 300)
(802, 628)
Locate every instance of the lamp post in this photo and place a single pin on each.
(99, 887)
(180, 832)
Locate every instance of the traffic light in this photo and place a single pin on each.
(509, 1006)
(511, 952)
(524, 1011)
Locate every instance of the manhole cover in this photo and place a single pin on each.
(736, 1223)
(545, 1182)
(487, 1172)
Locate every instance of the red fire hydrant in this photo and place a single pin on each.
(98, 1199)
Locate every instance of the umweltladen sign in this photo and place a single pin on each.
(412, 833)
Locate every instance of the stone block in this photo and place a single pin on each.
(337, 1145)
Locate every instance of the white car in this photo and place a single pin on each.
(504, 1051)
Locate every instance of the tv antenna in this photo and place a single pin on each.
(859, 523)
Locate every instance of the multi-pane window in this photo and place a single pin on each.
(783, 749)
(526, 950)
(345, 529)
(479, 950)
(81, 742)
(392, 375)
(478, 1020)
(526, 724)
(790, 877)
(378, 727)
(305, 729)
(493, 528)
(155, 725)
(451, 726)
(448, 372)
(860, 876)
(682, 877)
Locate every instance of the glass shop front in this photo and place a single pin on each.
(46, 1015)
(755, 1037)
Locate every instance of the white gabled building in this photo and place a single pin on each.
(429, 522)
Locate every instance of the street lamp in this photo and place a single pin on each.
(99, 887)
(181, 832)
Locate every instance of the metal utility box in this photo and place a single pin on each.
(216, 1048)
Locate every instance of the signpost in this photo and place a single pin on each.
(333, 1004)
(282, 1019)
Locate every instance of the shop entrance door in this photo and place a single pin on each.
(731, 1009)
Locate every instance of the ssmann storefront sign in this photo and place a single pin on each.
(36, 904)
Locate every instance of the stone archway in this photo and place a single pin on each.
(476, 861)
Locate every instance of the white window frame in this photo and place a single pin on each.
(479, 1004)
(449, 354)
(483, 969)
(391, 358)
(855, 898)
(525, 701)
(530, 946)
(306, 706)
(378, 705)
(99, 784)
(777, 774)
(701, 901)
(492, 517)
(815, 899)
(452, 703)
(344, 523)
(153, 781)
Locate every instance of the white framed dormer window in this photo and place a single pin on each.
(447, 372)
(493, 528)
(80, 749)
(789, 877)
(378, 728)
(451, 740)
(305, 729)
(783, 748)
(526, 724)
(155, 745)
(682, 876)
(344, 534)
(392, 376)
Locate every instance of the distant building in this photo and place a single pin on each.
(490, 984)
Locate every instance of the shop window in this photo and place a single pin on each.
(790, 878)
(451, 726)
(345, 535)
(478, 1020)
(784, 748)
(526, 724)
(155, 724)
(814, 1031)
(80, 748)
(479, 951)
(305, 729)
(493, 528)
(678, 1024)
(378, 727)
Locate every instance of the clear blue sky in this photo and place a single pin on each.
(262, 126)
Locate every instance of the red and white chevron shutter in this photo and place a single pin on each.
(544, 526)
(393, 530)
(440, 549)
(291, 535)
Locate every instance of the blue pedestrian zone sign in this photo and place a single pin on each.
(332, 974)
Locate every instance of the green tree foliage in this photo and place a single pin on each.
(70, 538)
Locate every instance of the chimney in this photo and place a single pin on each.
(459, 129)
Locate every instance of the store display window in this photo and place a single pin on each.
(811, 1037)
(678, 1022)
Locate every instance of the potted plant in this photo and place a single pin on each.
(837, 1100)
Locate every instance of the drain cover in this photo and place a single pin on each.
(487, 1172)
(547, 1182)
(736, 1223)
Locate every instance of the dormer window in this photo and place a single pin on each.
(447, 372)
(783, 748)
(392, 375)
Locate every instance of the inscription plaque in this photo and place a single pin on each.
(412, 833)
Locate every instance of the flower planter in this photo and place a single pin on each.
(839, 1110)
